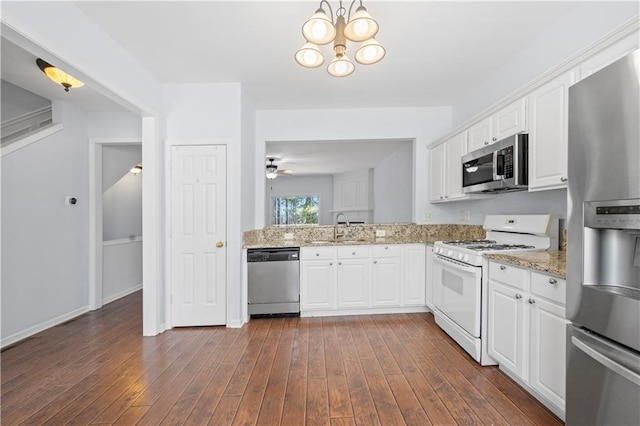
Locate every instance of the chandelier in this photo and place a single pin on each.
(322, 29)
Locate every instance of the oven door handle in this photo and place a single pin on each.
(469, 269)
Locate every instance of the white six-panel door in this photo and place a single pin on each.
(198, 235)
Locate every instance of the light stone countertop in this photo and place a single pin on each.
(552, 262)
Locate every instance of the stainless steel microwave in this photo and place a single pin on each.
(499, 167)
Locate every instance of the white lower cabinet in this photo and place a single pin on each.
(429, 279)
(527, 330)
(357, 278)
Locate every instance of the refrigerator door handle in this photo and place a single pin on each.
(607, 362)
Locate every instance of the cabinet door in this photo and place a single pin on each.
(354, 283)
(429, 279)
(317, 286)
(548, 134)
(510, 120)
(414, 291)
(480, 134)
(507, 328)
(436, 173)
(455, 148)
(548, 349)
(386, 279)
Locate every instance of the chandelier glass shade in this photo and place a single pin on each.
(323, 29)
(271, 170)
(57, 75)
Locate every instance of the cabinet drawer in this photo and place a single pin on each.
(386, 251)
(353, 252)
(317, 253)
(552, 288)
(508, 274)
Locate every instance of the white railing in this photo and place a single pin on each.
(23, 125)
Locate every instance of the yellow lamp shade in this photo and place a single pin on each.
(341, 66)
(309, 56)
(370, 52)
(57, 75)
(361, 26)
(319, 29)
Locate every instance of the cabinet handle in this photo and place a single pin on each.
(317, 254)
(563, 179)
(375, 261)
(531, 301)
(503, 268)
(518, 296)
(552, 281)
(386, 247)
(494, 139)
(446, 196)
(339, 263)
(353, 253)
(330, 263)
(486, 142)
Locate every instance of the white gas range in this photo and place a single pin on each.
(459, 296)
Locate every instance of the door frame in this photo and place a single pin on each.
(167, 219)
(95, 213)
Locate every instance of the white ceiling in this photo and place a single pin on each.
(319, 158)
(437, 51)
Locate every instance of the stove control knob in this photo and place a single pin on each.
(466, 257)
(450, 253)
(460, 256)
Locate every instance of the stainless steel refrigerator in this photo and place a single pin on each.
(603, 254)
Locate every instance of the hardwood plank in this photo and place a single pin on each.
(295, 400)
(225, 411)
(317, 402)
(240, 378)
(410, 407)
(343, 421)
(253, 395)
(339, 399)
(316, 367)
(132, 415)
(274, 395)
(383, 398)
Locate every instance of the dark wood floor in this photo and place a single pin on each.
(386, 369)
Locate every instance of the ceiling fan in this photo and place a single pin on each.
(272, 171)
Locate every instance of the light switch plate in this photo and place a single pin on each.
(380, 233)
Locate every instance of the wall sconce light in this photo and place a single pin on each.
(58, 76)
(136, 169)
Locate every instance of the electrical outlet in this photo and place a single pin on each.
(380, 233)
(288, 236)
(427, 216)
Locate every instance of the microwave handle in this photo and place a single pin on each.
(495, 165)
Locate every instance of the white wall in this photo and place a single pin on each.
(393, 187)
(211, 113)
(321, 185)
(584, 24)
(126, 277)
(421, 124)
(17, 101)
(122, 209)
(248, 155)
(117, 161)
(45, 241)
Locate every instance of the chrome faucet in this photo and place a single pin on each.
(340, 234)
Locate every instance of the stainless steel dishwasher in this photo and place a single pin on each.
(274, 281)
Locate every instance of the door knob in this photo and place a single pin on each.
(219, 244)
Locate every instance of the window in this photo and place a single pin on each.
(295, 210)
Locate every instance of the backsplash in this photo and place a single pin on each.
(273, 236)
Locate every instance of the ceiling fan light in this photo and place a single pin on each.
(57, 75)
(319, 29)
(341, 66)
(361, 26)
(309, 56)
(136, 169)
(370, 52)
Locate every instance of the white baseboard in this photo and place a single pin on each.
(365, 311)
(122, 293)
(235, 324)
(42, 326)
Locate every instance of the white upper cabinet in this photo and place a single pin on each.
(509, 121)
(480, 134)
(353, 192)
(548, 133)
(445, 165)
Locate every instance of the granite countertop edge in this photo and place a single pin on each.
(303, 243)
(553, 262)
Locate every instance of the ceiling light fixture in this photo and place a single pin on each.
(59, 76)
(321, 29)
(272, 170)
